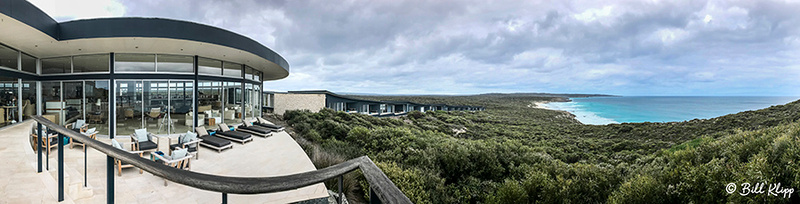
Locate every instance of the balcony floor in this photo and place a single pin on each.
(273, 156)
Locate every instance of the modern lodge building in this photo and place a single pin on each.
(172, 79)
(314, 100)
(155, 73)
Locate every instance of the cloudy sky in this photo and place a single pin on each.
(465, 47)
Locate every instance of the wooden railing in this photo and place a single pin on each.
(382, 189)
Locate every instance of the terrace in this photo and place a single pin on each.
(275, 156)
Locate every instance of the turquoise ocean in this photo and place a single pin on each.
(627, 109)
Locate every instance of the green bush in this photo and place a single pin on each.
(512, 153)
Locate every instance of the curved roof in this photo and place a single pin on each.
(27, 28)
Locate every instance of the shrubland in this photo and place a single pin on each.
(513, 153)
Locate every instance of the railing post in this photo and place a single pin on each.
(110, 180)
(39, 147)
(224, 198)
(341, 198)
(47, 156)
(85, 165)
(60, 167)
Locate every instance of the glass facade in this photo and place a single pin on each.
(163, 106)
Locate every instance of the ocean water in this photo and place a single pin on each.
(606, 110)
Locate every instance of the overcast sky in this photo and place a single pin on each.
(465, 47)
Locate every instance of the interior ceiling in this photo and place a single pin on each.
(32, 41)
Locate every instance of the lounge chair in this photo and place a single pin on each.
(233, 135)
(49, 141)
(179, 158)
(91, 133)
(247, 126)
(264, 123)
(211, 141)
(143, 140)
(120, 165)
(187, 141)
(78, 126)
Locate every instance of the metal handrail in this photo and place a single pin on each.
(380, 184)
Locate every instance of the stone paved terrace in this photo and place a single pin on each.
(264, 157)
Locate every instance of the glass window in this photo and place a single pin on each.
(53, 105)
(257, 76)
(8, 100)
(209, 66)
(232, 69)
(56, 65)
(135, 62)
(73, 101)
(257, 97)
(249, 103)
(210, 104)
(128, 107)
(248, 74)
(90, 63)
(156, 106)
(8, 57)
(175, 63)
(28, 63)
(181, 94)
(97, 105)
(232, 95)
(28, 99)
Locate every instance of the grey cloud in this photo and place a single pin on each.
(625, 47)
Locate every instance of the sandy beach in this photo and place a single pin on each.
(539, 104)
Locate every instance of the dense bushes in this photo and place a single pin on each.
(512, 153)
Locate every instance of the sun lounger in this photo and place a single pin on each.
(255, 130)
(264, 123)
(211, 141)
(236, 136)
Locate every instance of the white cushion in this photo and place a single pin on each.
(90, 131)
(188, 137)
(141, 134)
(201, 131)
(79, 124)
(224, 128)
(116, 144)
(177, 154)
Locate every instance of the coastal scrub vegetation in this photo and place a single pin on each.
(515, 153)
